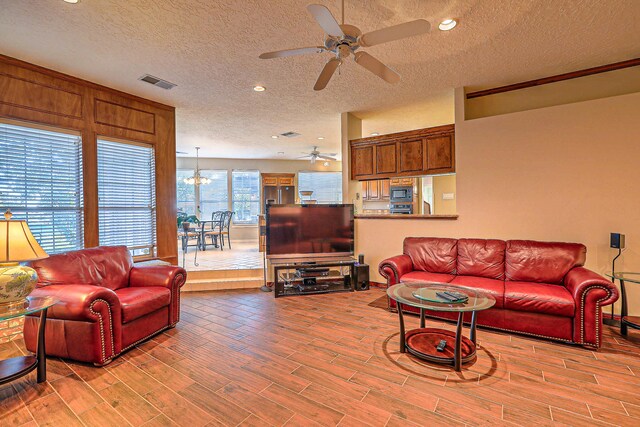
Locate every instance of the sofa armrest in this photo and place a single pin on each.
(91, 304)
(590, 292)
(80, 302)
(167, 276)
(394, 268)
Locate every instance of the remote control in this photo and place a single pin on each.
(445, 296)
(441, 345)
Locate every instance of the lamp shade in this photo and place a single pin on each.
(17, 244)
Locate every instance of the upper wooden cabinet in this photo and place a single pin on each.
(418, 152)
(375, 190)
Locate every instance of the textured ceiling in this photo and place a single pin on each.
(210, 50)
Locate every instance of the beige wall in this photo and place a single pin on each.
(563, 173)
(250, 232)
(444, 184)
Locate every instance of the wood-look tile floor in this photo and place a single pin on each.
(244, 358)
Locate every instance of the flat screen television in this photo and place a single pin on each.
(308, 231)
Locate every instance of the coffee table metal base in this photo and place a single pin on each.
(422, 342)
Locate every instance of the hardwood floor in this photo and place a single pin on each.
(244, 358)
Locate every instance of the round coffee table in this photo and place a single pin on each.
(423, 342)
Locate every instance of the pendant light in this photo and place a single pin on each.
(197, 179)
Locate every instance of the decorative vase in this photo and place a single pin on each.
(16, 282)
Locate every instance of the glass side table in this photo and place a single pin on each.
(16, 367)
(626, 320)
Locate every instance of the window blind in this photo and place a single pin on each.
(326, 186)
(246, 196)
(127, 196)
(215, 195)
(186, 194)
(41, 182)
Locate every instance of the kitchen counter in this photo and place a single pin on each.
(404, 216)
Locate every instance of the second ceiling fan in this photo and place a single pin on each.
(342, 40)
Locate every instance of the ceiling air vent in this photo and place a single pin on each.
(157, 82)
(290, 134)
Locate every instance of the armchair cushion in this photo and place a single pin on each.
(432, 254)
(105, 266)
(139, 301)
(539, 298)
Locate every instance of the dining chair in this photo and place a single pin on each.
(226, 226)
(212, 229)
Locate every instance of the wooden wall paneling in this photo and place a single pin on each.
(35, 94)
(125, 117)
(362, 161)
(386, 159)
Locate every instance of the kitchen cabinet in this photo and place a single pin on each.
(278, 188)
(427, 151)
(375, 190)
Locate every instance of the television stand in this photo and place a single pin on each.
(320, 276)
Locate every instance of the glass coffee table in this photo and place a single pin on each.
(423, 342)
(16, 367)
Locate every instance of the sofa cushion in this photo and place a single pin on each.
(543, 262)
(106, 266)
(539, 298)
(139, 301)
(425, 276)
(432, 254)
(481, 257)
(493, 287)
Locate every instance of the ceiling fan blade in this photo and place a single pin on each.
(292, 52)
(323, 157)
(376, 67)
(325, 19)
(328, 70)
(395, 32)
(308, 156)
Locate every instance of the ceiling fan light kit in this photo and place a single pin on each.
(344, 40)
(315, 155)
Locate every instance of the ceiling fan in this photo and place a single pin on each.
(343, 40)
(315, 155)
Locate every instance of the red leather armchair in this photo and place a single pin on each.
(107, 305)
(541, 288)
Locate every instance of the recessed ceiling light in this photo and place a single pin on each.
(280, 153)
(375, 134)
(71, 1)
(321, 137)
(275, 136)
(259, 88)
(447, 24)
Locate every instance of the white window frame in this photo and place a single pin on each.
(236, 217)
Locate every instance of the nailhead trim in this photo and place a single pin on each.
(100, 322)
(584, 295)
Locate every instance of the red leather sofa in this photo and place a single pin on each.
(541, 288)
(107, 305)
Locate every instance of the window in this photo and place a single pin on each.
(186, 194)
(41, 182)
(246, 196)
(127, 196)
(326, 186)
(215, 195)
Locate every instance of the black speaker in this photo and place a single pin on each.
(617, 241)
(362, 277)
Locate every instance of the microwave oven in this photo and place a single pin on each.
(401, 194)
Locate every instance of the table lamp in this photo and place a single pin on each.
(17, 244)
